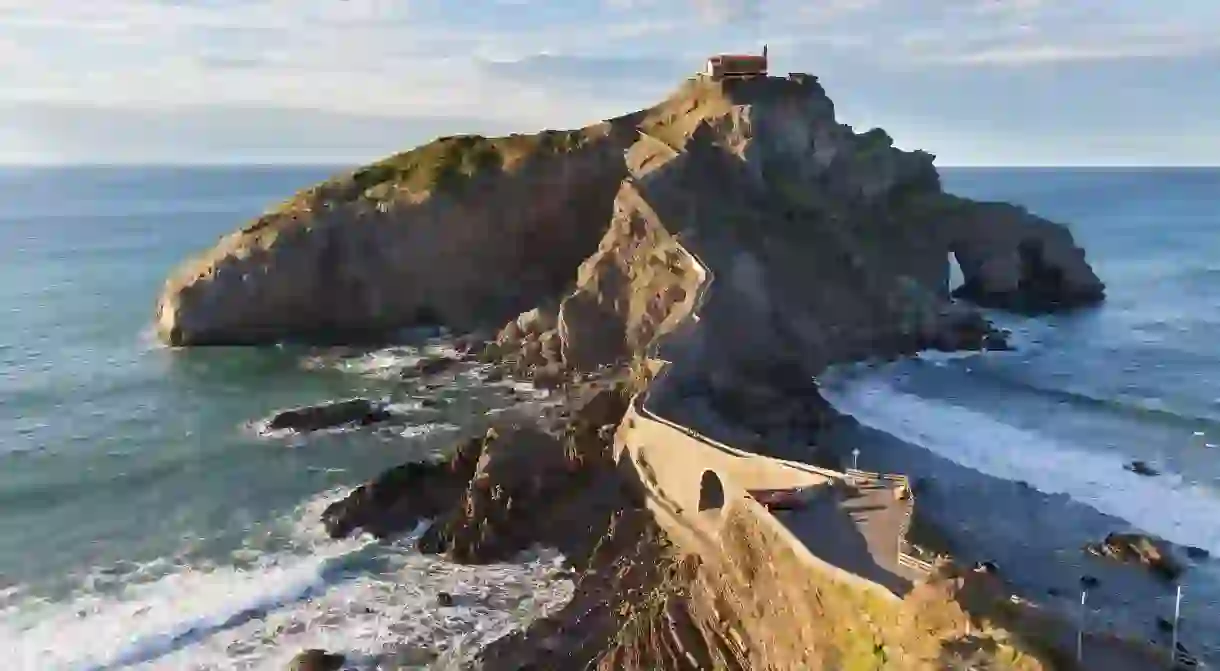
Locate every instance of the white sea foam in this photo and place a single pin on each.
(1166, 505)
(356, 597)
(939, 358)
(420, 430)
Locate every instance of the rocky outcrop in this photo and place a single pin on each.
(737, 230)
(1016, 261)
(498, 494)
(402, 497)
(1141, 468)
(1154, 554)
(530, 347)
(316, 660)
(825, 242)
(328, 415)
(463, 231)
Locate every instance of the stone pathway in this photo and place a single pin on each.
(856, 529)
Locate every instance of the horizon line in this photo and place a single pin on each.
(356, 163)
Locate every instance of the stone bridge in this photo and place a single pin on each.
(850, 524)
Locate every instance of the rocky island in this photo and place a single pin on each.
(722, 247)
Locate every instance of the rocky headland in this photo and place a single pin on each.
(735, 236)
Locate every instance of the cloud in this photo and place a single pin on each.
(81, 133)
(520, 64)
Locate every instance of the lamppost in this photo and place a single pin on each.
(1177, 616)
(855, 459)
(1085, 583)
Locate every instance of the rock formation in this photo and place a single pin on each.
(328, 415)
(597, 250)
(1154, 554)
(827, 243)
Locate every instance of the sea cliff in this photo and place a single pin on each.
(735, 235)
(848, 231)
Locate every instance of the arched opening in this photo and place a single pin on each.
(956, 277)
(711, 491)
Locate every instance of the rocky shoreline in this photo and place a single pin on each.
(827, 246)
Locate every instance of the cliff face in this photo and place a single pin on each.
(450, 232)
(829, 242)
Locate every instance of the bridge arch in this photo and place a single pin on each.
(711, 491)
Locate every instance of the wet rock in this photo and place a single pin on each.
(531, 354)
(549, 376)
(316, 660)
(965, 331)
(408, 657)
(1141, 468)
(1135, 548)
(534, 486)
(398, 499)
(988, 567)
(536, 321)
(511, 334)
(328, 415)
(428, 366)
(444, 600)
(552, 346)
(492, 352)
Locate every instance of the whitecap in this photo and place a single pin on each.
(1167, 506)
(357, 597)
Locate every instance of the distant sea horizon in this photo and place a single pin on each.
(358, 162)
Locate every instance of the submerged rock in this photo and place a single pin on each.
(1141, 468)
(328, 415)
(429, 366)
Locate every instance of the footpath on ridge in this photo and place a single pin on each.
(853, 521)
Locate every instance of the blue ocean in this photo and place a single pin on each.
(145, 525)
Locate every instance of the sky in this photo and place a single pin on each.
(976, 82)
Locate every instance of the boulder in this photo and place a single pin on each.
(1152, 553)
(549, 376)
(1141, 468)
(398, 499)
(536, 321)
(316, 660)
(328, 415)
(430, 365)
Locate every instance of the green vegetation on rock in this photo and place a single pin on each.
(447, 162)
(443, 164)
